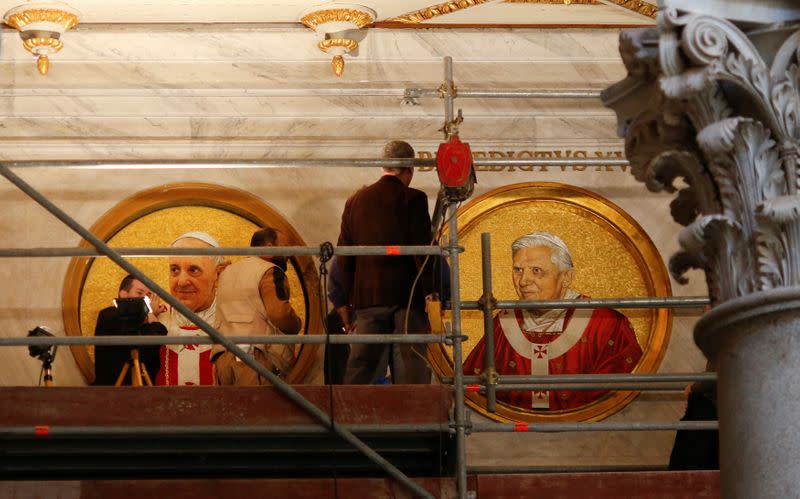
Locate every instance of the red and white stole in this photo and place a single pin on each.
(186, 364)
(540, 354)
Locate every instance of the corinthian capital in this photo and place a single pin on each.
(715, 101)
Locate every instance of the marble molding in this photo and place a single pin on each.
(257, 44)
(716, 102)
(236, 91)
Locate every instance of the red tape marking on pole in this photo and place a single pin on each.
(473, 388)
(41, 431)
(520, 426)
(393, 250)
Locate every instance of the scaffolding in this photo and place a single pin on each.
(488, 383)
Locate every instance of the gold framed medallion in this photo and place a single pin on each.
(154, 218)
(611, 256)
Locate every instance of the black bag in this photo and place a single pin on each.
(335, 355)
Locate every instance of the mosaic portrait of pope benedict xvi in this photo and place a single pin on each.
(557, 341)
(557, 242)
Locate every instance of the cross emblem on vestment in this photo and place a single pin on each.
(540, 351)
(540, 395)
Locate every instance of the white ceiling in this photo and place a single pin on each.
(476, 12)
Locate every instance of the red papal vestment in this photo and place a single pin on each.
(186, 364)
(592, 341)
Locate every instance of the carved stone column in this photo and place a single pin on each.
(713, 101)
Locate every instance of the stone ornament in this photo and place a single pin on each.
(706, 103)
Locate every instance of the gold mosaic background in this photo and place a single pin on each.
(604, 264)
(159, 229)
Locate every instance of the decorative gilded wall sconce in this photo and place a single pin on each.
(40, 26)
(330, 22)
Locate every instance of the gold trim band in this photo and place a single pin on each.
(435, 11)
(556, 2)
(638, 6)
(443, 9)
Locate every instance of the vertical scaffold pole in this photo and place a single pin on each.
(459, 415)
(487, 304)
(449, 91)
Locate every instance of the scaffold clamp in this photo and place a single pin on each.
(490, 300)
(492, 378)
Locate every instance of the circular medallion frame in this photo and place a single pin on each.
(208, 203)
(613, 256)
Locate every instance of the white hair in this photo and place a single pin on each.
(203, 237)
(560, 255)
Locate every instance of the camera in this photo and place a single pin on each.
(41, 352)
(133, 311)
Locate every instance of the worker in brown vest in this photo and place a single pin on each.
(253, 300)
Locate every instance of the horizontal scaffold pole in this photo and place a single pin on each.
(85, 431)
(177, 164)
(593, 378)
(604, 426)
(215, 430)
(636, 302)
(414, 93)
(259, 251)
(648, 387)
(317, 339)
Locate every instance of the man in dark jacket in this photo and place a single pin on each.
(109, 361)
(388, 213)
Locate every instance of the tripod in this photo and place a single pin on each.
(47, 368)
(138, 373)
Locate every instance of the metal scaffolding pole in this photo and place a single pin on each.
(594, 378)
(176, 164)
(638, 302)
(530, 94)
(416, 93)
(189, 164)
(487, 301)
(276, 381)
(201, 430)
(660, 387)
(459, 410)
(216, 430)
(449, 94)
(605, 426)
(395, 92)
(317, 339)
(249, 251)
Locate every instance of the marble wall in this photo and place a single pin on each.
(235, 92)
